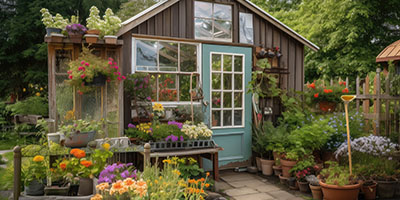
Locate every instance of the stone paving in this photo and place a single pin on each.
(246, 186)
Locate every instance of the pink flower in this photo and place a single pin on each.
(109, 62)
(119, 78)
(81, 68)
(83, 62)
(110, 59)
(69, 72)
(87, 64)
(70, 76)
(116, 67)
(123, 77)
(119, 74)
(83, 76)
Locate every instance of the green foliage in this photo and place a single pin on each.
(337, 175)
(131, 8)
(183, 113)
(394, 80)
(33, 105)
(99, 158)
(53, 21)
(111, 23)
(5, 115)
(307, 162)
(188, 167)
(263, 84)
(81, 126)
(93, 21)
(368, 166)
(295, 113)
(7, 174)
(160, 132)
(138, 87)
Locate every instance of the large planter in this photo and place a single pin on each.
(386, 189)
(283, 180)
(75, 38)
(287, 165)
(73, 190)
(258, 163)
(345, 192)
(304, 187)
(316, 192)
(369, 191)
(277, 170)
(91, 38)
(56, 190)
(327, 106)
(34, 188)
(76, 140)
(51, 30)
(266, 166)
(85, 187)
(98, 80)
(110, 39)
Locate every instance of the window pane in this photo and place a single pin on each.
(184, 87)
(238, 117)
(238, 63)
(227, 100)
(227, 118)
(188, 56)
(216, 118)
(222, 29)
(227, 81)
(203, 28)
(216, 62)
(238, 99)
(168, 56)
(227, 63)
(238, 81)
(216, 99)
(146, 55)
(216, 81)
(202, 9)
(153, 85)
(222, 12)
(167, 87)
(246, 28)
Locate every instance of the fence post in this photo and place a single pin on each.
(378, 100)
(146, 159)
(17, 172)
(357, 91)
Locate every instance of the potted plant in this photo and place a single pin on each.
(80, 132)
(337, 183)
(302, 169)
(35, 175)
(75, 30)
(54, 24)
(110, 26)
(326, 96)
(93, 23)
(260, 142)
(315, 187)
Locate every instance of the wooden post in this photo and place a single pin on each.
(387, 105)
(377, 87)
(366, 102)
(17, 172)
(146, 159)
(357, 91)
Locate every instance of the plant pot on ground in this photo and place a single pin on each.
(293, 183)
(386, 187)
(304, 186)
(287, 165)
(85, 187)
(369, 190)
(283, 180)
(266, 166)
(258, 163)
(316, 192)
(277, 170)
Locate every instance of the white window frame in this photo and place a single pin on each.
(213, 21)
(222, 90)
(198, 67)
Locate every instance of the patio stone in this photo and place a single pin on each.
(237, 177)
(240, 191)
(267, 188)
(222, 186)
(249, 183)
(282, 195)
(258, 196)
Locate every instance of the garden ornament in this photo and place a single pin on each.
(347, 99)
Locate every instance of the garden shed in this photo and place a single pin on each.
(212, 45)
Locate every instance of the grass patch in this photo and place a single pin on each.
(7, 174)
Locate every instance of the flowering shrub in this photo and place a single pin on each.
(36, 170)
(51, 21)
(75, 29)
(178, 124)
(318, 91)
(138, 86)
(199, 131)
(114, 172)
(111, 23)
(93, 21)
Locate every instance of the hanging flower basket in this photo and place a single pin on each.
(98, 80)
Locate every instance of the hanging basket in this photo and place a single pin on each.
(98, 80)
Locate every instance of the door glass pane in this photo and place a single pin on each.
(203, 28)
(216, 81)
(237, 98)
(168, 56)
(216, 62)
(227, 99)
(222, 29)
(216, 99)
(216, 118)
(238, 117)
(227, 63)
(238, 81)
(188, 57)
(167, 87)
(227, 117)
(227, 81)
(202, 9)
(238, 63)
(246, 28)
(146, 55)
(223, 12)
(184, 87)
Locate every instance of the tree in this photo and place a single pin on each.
(131, 8)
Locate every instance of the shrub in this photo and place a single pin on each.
(33, 105)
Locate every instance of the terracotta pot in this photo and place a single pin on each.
(93, 32)
(258, 163)
(75, 38)
(386, 189)
(266, 166)
(303, 187)
(283, 180)
(91, 38)
(286, 166)
(345, 192)
(327, 106)
(110, 39)
(56, 37)
(316, 192)
(277, 170)
(85, 186)
(369, 191)
(293, 183)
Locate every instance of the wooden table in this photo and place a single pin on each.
(208, 153)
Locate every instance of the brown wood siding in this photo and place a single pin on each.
(126, 69)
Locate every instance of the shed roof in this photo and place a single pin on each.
(160, 6)
(391, 52)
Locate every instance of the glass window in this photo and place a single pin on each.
(227, 90)
(213, 21)
(246, 28)
(170, 65)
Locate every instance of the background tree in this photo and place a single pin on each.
(133, 7)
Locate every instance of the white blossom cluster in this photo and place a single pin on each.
(199, 131)
(374, 145)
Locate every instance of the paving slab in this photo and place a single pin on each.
(240, 191)
(267, 188)
(282, 195)
(258, 196)
(222, 186)
(237, 177)
(252, 183)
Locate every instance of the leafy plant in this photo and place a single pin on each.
(318, 91)
(111, 23)
(36, 170)
(33, 105)
(75, 29)
(337, 175)
(80, 126)
(93, 22)
(162, 131)
(188, 167)
(263, 84)
(53, 21)
(138, 87)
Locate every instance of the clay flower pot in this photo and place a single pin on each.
(386, 189)
(283, 180)
(335, 192)
(258, 163)
(287, 165)
(293, 183)
(316, 192)
(369, 191)
(277, 170)
(303, 187)
(91, 38)
(110, 39)
(266, 166)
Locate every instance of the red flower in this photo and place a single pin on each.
(312, 85)
(345, 90)
(316, 95)
(259, 116)
(63, 166)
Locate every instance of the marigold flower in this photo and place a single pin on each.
(63, 166)
(106, 146)
(202, 180)
(97, 197)
(79, 153)
(208, 174)
(73, 151)
(86, 163)
(103, 186)
(38, 158)
(167, 161)
(37, 94)
(312, 85)
(207, 185)
(316, 95)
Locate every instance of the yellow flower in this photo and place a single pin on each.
(38, 158)
(41, 89)
(69, 115)
(177, 172)
(24, 90)
(97, 197)
(106, 146)
(37, 94)
(167, 161)
(30, 85)
(158, 107)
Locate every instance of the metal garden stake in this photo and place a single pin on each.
(347, 99)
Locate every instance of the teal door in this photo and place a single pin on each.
(225, 76)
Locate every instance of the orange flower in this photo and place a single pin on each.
(79, 153)
(73, 151)
(208, 174)
(207, 185)
(86, 163)
(316, 95)
(312, 85)
(345, 90)
(202, 180)
(63, 166)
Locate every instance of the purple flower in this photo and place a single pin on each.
(131, 125)
(148, 98)
(181, 138)
(167, 138)
(179, 125)
(174, 138)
